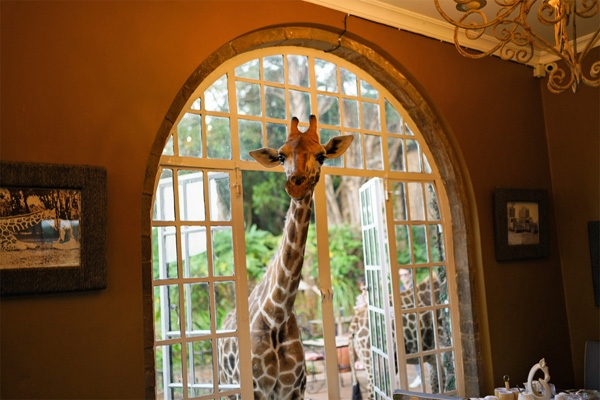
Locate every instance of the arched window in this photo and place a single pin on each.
(205, 259)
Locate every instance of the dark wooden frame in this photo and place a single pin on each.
(91, 273)
(509, 252)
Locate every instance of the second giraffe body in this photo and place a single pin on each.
(278, 368)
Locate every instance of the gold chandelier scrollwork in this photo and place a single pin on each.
(515, 39)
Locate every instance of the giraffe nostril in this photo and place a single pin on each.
(298, 179)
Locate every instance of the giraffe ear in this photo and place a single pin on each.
(338, 145)
(267, 157)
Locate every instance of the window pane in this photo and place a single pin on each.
(417, 206)
(373, 152)
(298, 70)
(200, 368)
(249, 99)
(326, 135)
(169, 149)
(225, 296)
(276, 135)
(166, 310)
(407, 130)
(248, 70)
(300, 105)
(350, 110)
(171, 365)
(198, 300)
(436, 243)
(368, 91)
(228, 378)
(441, 290)
(275, 102)
(191, 195)
(197, 104)
(393, 119)
(325, 73)
(419, 244)
(222, 242)
(218, 138)
(413, 369)
(370, 116)
(423, 288)
(329, 110)
(164, 203)
(407, 292)
(433, 209)
(428, 337)
(396, 154)
(413, 155)
(251, 137)
(445, 333)
(410, 324)
(399, 201)
(164, 252)
(449, 382)
(354, 154)
(273, 68)
(432, 365)
(219, 196)
(216, 97)
(349, 82)
(189, 134)
(402, 245)
(193, 251)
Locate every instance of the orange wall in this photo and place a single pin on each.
(90, 83)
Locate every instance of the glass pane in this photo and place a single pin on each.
(370, 117)
(413, 155)
(300, 104)
(198, 301)
(396, 154)
(275, 102)
(431, 377)
(189, 134)
(325, 73)
(423, 289)
(326, 135)
(373, 152)
(368, 91)
(416, 201)
(298, 70)
(354, 154)
(441, 288)
(200, 368)
(329, 110)
(273, 68)
(249, 101)
(191, 195)
(248, 70)
(225, 296)
(411, 339)
(403, 245)
(407, 293)
(164, 203)
(393, 119)
(399, 201)
(219, 195)
(426, 166)
(251, 137)
(276, 135)
(428, 335)
(216, 97)
(414, 374)
(197, 104)
(350, 110)
(160, 381)
(444, 332)
(420, 255)
(164, 252)
(218, 138)
(168, 149)
(166, 311)
(193, 251)
(407, 130)
(222, 242)
(349, 82)
(229, 373)
(433, 209)
(170, 366)
(436, 243)
(449, 377)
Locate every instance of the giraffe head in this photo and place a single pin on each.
(302, 156)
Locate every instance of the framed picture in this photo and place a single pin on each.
(521, 224)
(52, 228)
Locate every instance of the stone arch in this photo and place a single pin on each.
(392, 75)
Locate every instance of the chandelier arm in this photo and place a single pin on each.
(589, 9)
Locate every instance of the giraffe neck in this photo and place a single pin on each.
(279, 286)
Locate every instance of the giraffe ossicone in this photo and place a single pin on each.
(278, 368)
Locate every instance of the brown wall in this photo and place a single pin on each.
(90, 83)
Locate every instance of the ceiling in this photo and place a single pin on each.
(422, 17)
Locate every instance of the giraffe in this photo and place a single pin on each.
(278, 367)
(360, 344)
(9, 226)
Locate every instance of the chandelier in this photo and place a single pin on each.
(515, 39)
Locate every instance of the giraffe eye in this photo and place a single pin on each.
(321, 158)
(281, 158)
